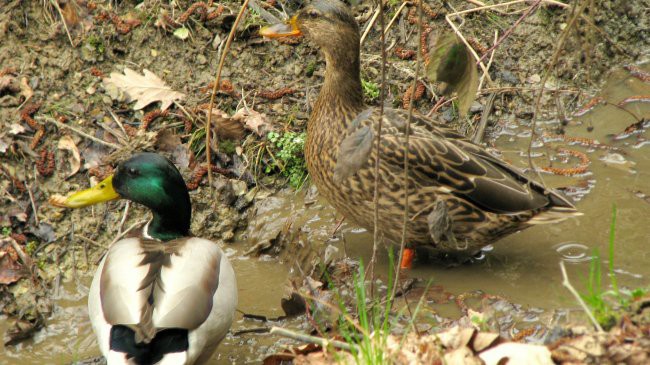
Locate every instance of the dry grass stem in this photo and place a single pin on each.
(405, 220)
(574, 292)
(83, 134)
(538, 99)
(215, 86)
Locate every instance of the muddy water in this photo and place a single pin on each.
(523, 267)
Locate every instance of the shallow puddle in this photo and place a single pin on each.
(523, 267)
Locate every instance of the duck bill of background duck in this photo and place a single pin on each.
(286, 29)
(99, 193)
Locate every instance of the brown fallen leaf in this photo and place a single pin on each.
(252, 120)
(227, 127)
(66, 143)
(145, 89)
(25, 89)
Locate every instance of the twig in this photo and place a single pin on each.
(312, 339)
(119, 123)
(83, 134)
(31, 199)
(371, 23)
(124, 215)
(26, 260)
(397, 13)
(58, 9)
(507, 33)
(217, 80)
(538, 98)
(480, 131)
(480, 84)
(407, 146)
(375, 198)
(567, 284)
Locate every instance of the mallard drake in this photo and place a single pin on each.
(461, 197)
(159, 296)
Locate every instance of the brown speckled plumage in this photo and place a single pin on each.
(480, 197)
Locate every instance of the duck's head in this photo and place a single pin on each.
(328, 23)
(148, 179)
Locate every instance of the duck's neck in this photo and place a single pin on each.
(171, 221)
(342, 86)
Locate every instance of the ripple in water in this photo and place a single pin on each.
(573, 252)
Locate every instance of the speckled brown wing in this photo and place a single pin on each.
(441, 157)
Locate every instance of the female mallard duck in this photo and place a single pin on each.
(159, 296)
(461, 198)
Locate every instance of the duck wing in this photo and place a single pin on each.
(440, 156)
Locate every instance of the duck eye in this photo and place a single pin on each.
(313, 14)
(132, 171)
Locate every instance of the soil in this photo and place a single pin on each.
(51, 80)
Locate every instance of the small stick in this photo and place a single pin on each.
(399, 10)
(58, 9)
(312, 339)
(405, 177)
(83, 134)
(542, 85)
(119, 123)
(567, 284)
(507, 33)
(496, 35)
(370, 24)
(124, 215)
(26, 260)
(31, 199)
(217, 80)
(480, 131)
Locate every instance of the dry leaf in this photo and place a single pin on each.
(168, 141)
(66, 143)
(25, 89)
(227, 127)
(16, 128)
(145, 89)
(517, 353)
(254, 121)
(3, 145)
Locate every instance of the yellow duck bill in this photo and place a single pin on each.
(99, 193)
(286, 29)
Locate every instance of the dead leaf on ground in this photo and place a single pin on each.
(252, 120)
(517, 353)
(10, 270)
(168, 141)
(145, 89)
(226, 127)
(8, 83)
(74, 159)
(3, 145)
(25, 89)
(16, 128)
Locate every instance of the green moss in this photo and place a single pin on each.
(96, 43)
(370, 89)
(311, 67)
(287, 156)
